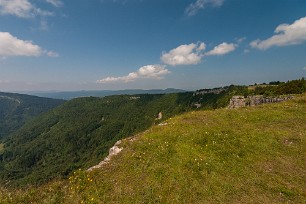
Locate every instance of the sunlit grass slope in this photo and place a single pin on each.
(248, 155)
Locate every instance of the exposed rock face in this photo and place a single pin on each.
(197, 105)
(134, 97)
(241, 101)
(162, 124)
(237, 102)
(159, 116)
(209, 91)
(112, 152)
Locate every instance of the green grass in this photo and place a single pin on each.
(248, 155)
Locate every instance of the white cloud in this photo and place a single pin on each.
(56, 3)
(222, 49)
(40, 12)
(145, 72)
(286, 34)
(184, 54)
(193, 8)
(12, 46)
(21, 8)
(304, 68)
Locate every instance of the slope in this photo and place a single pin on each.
(248, 155)
(79, 133)
(16, 109)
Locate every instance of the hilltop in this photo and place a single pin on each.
(245, 155)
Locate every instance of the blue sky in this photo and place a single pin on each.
(148, 44)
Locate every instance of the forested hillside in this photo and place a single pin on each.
(16, 109)
(79, 133)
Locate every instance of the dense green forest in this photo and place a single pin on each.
(79, 133)
(16, 109)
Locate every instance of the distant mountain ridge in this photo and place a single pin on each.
(67, 95)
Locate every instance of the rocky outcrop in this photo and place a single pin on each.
(237, 102)
(159, 116)
(241, 101)
(210, 91)
(134, 97)
(197, 105)
(112, 152)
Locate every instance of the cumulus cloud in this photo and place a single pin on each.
(184, 54)
(286, 34)
(56, 3)
(145, 72)
(21, 8)
(222, 49)
(12, 46)
(193, 8)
